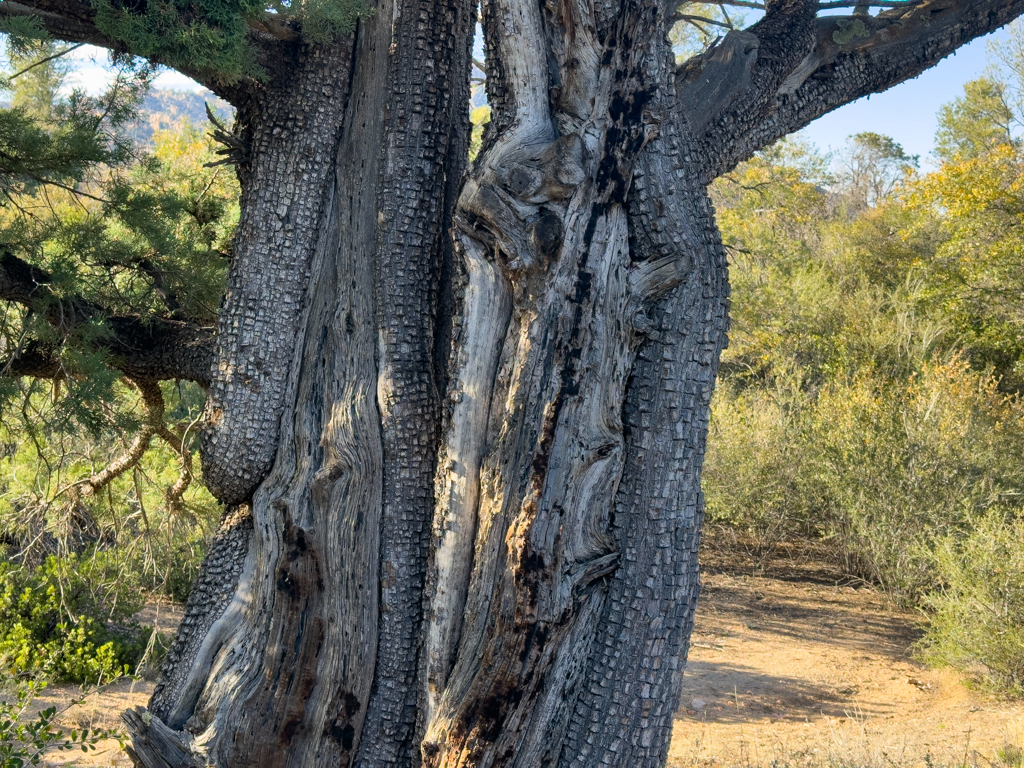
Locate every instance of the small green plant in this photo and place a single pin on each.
(26, 736)
(68, 619)
(1011, 756)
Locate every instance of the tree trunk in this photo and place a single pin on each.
(459, 418)
(508, 579)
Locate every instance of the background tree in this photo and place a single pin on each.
(461, 474)
(975, 122)
(871, 169)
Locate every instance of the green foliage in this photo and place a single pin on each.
(20, 32)
(69, 618)
(121, 229)
(755, 473)
(871, 170)
(870, 398)
(211, 36)
(973, 208)
(322, 20)
(901, 466)
(976, 122)
(206, 36)
(977, 618)
(57, 143)
(25, 737)
(479, 117)
(848, 409)
(43, 453)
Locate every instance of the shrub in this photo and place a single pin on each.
(757, 470)
(978, 615)
(65, 618)
(24, 738)
(881, 469)
(904, 466)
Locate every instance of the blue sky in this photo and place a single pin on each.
(906, 112)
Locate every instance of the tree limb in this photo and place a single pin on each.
(50, 58)
(736, 80)
(74, 22)
(156, 348)
(852, 56)
(154, 401)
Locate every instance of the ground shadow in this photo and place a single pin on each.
(728, 693)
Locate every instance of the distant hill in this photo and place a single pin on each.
(164, 110)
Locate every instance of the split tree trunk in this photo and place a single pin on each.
(459, 419)
(505, 575)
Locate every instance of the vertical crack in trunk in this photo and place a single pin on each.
(291, 687)
(487, 305)
(427, 91)
(301, 700)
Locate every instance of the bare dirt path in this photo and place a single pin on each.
(802, 669)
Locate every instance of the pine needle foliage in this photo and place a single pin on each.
(119, 229)
(212, 36)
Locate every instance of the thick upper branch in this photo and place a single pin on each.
(851, 56)
(74, 21)
(734, 84)
(156, 348)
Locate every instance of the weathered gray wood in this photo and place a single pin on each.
(156, 745)
(556, 438)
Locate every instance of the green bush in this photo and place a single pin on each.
(881, 469)
(977, 618)
(69, 618)
(758, 475)
(903, 466)
(25, 738)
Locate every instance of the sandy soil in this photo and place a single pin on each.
(804, 669)
(796, 669)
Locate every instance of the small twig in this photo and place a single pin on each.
(43, 61)
(700, 20)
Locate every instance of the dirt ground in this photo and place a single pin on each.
(803, 668)
(796, 668)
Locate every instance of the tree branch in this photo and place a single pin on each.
(852, 56)
(735, 82)
(50, 58)
(95, 483)
(157, 348)
(154, 401)
(74, 22)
